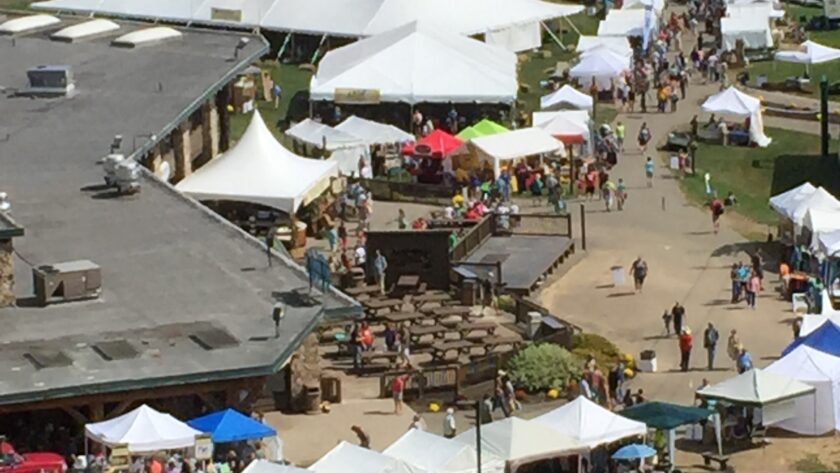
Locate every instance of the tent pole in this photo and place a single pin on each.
(554, 36)
(318, 50)
(672, 440)
(283, 46)
(572, 25)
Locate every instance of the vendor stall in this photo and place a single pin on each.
(435, 454)
(567, 97)
(143, 430)
(620, 45)
(591, 424)
(485, 127)
(602, 65)
(349, 458)
(504, 148)
(344, 149)
(230, 425)
(373, 133)
(734, 102)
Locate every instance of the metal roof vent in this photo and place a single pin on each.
(214, 338)
(28, 24)
(49, 81)
(115, 350)
(41, 359)
(148, 36)
(87, 30)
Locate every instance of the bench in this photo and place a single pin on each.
(721, 460)
(419, 331)
(440, 349)
(400, 317)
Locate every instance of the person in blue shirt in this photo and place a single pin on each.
(380, 264)
(745, 361)
(649, 167)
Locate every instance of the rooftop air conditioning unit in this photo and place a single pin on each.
(122, 173)
(64, 282)
(49, 81)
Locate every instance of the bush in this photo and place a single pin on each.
(544, 366)
(605, 352)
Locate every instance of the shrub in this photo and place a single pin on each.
(543, 366)
(605, 352)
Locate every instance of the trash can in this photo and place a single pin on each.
(647, 361)
(618, 275)
(534, 322)
(312, 402)
(469, 287)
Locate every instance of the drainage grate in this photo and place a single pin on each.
(115, 350)
(41, 359)
(213, 339)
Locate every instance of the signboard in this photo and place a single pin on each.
(226, 14)
(832, 9)
(120, 458)
(357, 96)
(203, 447)
(318, 267)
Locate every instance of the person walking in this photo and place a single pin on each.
(686, 342)
(710, 339)
(644, 138)
(753, 287)
(380, 264)
(620, 133)
(621, 193)
(666, 319)
(449, 428)
(678, 313)
(716, 207)
(397, 390)
(639, 270)
(733, 345)
(745, 361)
(649, 168)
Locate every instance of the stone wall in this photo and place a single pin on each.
(7, 273)
(305, 373)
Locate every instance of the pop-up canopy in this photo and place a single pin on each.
(258, 169)
(515, 144)
(373, 133)
(349, 458)
(439, 142)
(787, 201)
(820, 199)
(591, 424)
(265, 466)
(829, 243)
(485, 127)
(756, 387)
(825, 339)
(143, 430)
(809, 52)
(567, 96)
(419, 62)
(321, 135)
(820, 413)
(753, 30)
(734, 102)
(230, 425)
(435, 454)
(601, 64)
(820, 221)
(568, 126)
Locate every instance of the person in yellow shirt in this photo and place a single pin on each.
(457, 200)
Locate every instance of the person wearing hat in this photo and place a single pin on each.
(685, 348)
(449, 429)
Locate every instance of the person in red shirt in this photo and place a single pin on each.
(717, 210)
(685, 348)
(397, 390)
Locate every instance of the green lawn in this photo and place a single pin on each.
(828, 38)
(754, 174)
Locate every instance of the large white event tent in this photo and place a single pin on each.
(519, 441)
(734, 102)
(349, 458)
(619, 44)
(601, 64)
(591, 424)
(820, 199)
(419, 62)
(829, 243)
(144, 430)
(373, 133)
(787, 201)
(818, 413)
(567, 97)
(435, 454)
(773, 392)
(513, 24)
(345, 149)
(809, 53)
(515, 144)
(624, 22)
(265, 466)
(754, 31)
(820, 221)
(258, 169)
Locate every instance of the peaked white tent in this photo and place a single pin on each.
(619, 44)
(820, 199)
(818, 413)
(754, 31)
(829, 243)
(345, 149)
(373, 133)
(785, 202)
(143, 430)
(520, 441)
(820, 221)
(734, 102)
(811, 322)
(515, 144)
(435, 454)
(601, 64)
(265, 466)
(624, 22)
(260, 170)
(809, 52)
(349, 458)
(591, 424)
(419, 62)
(567, 96)
(566, 126)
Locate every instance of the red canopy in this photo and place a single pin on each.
(570, 139)
(440, 142)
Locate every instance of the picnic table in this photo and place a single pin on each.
(358, 291)
(400, 317)
(419, 331)
(440, 349)
(430, 297)
(464, 329)
(494, 341)
(373, 306)
(408, 281)
(370, 356)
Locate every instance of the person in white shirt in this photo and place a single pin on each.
(417, 423)
(449, 429)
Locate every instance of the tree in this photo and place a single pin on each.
(543, 366)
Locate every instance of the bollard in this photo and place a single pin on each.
(663, 203)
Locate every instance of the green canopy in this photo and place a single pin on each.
(665, 416)
(483, 128)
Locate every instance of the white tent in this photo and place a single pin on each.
(265, 466)
(658, 5)
(345, 149)
(787, 201)
(818, 413)
(435, 454)
(567, 96)
(754, 10)
(373, 133)
(820, 221)
(829, 243)
(624, 22)
(619, 44)
(515, 144)
(820, 199)
(591, 424)
(602, 64)
(520, 441)
(754, 31)
(566, 123)
(349, 458)
(734, 102)
(811, 322)
(143, 430)
(258, 169)
(809, 52)
(419, 62)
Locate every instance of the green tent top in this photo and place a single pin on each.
(483, 128)
(665, 416)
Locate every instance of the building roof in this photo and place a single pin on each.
(177, 279)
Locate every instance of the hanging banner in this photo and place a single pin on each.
(226, 14)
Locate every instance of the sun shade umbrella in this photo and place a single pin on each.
(633, 452)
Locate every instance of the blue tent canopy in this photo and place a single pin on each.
(231, 425)
(665, 416)
(826, 338)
